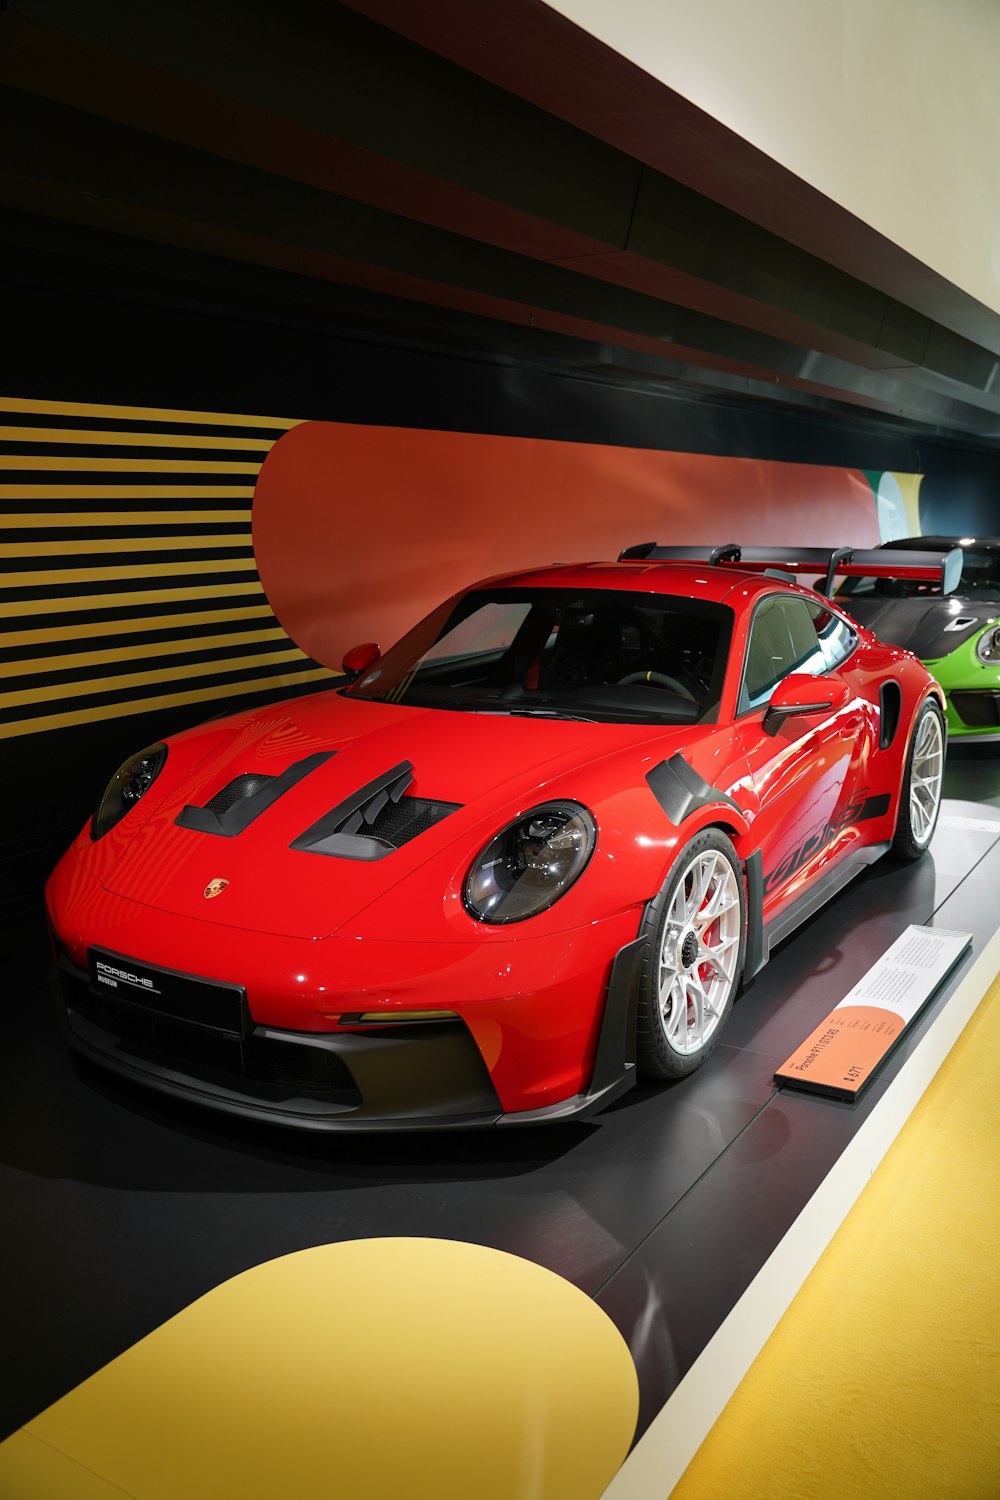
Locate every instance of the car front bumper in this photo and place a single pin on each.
(972, 693)
(973, 712)
(533, 1030)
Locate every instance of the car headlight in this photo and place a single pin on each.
(131, 781)
(530, 863)
(988, 646)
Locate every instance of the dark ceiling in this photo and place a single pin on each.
(476, 172)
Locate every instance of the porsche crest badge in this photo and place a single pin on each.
(215, 888)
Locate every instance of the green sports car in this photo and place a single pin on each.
(956, 636)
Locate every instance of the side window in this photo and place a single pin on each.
(783, 639)
(836, 638)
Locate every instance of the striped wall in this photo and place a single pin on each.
(127, 577)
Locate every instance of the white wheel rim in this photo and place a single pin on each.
(699, 952)
(926, 773)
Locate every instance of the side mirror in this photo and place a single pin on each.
(801, 693)
(359, 659)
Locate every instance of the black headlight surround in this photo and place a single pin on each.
(530, 863)
(988, 646)
(131, 781)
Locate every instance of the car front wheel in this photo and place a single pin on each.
(696, 929)
(920, 794)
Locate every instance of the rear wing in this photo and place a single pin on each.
(943, 567)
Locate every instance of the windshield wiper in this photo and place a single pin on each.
(524, 711)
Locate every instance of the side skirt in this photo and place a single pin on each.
(819, 894)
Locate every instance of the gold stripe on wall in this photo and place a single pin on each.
(46, 634)
(39, 520)
(100, 545)
(36, 665)
(141, 413)
(195, 492)
(126, 492)
(124, 439)
(149, 570)
(41, 461)
(72, 605)
(169, 700)
(88, 688)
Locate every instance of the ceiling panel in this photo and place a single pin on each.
(487, 169)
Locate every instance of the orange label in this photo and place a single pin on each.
(844, 1050)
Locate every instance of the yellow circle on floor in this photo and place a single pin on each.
(368, 1369)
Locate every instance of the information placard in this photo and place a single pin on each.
(846, 1050)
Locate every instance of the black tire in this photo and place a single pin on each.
(920, 792)
(674, 1037)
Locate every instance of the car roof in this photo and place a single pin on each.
(683, 579)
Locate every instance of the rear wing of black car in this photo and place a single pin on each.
(942, 567)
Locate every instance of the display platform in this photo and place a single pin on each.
(122, 1208)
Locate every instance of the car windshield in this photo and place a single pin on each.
(596, 654)
(980, 580)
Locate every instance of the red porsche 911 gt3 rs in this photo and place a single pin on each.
(531, 850)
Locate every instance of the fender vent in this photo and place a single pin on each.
(890, 702)
(376, 820)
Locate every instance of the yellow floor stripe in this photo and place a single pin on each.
(883, 1377)
(395, 1367)
(29, 492)
(141, 413)
(101, 544)
(48, 633)
(111, 439)
(84, 462)
(44, 520)
(119, 601)
(141, 652)
(104, 711)
(146, 679)
(143, 570)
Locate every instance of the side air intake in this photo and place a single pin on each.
(375, 820)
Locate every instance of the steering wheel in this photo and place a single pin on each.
(658, 679)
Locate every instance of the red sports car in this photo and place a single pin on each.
(526, 854)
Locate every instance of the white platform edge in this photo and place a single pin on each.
(668, 1445)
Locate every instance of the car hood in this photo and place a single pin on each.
(930, 628)
(470, 773)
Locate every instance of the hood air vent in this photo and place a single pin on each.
(240, 790)
(243, 799)
(375, 820)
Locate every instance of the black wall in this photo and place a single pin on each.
(83, 334)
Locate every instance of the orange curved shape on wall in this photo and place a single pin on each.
(358, 531)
